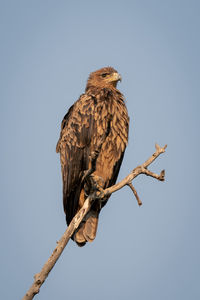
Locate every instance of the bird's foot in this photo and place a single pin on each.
(94, 184)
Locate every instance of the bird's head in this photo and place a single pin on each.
(104, 78)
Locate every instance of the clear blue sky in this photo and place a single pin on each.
(48, 49)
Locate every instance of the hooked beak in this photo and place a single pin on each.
(116, 77)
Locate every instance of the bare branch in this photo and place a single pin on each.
(98, 194)
(160, 177)
(135, 193)
(40, 277)
(137, 171)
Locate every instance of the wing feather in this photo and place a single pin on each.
(74, 147)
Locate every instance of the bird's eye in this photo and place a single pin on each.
(104, 74)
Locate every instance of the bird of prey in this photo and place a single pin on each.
(99, 112)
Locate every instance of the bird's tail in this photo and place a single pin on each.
(87, 230)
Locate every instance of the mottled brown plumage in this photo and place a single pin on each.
(100, 110)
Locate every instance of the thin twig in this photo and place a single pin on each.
(160, 177)
(135, 193)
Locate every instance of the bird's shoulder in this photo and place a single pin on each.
(77, 117)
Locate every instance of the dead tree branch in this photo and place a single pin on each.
(135, 193)
(98, 194)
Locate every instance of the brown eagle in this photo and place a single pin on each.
(101, 109)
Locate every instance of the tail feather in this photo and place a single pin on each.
(87, 231)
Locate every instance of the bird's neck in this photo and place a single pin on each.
(104, 91)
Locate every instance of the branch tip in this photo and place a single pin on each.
(135, 193)
(162, 175)
(160, 149)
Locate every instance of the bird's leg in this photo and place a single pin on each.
(94, 183)
(93, 157)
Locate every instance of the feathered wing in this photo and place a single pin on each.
(74, 148)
